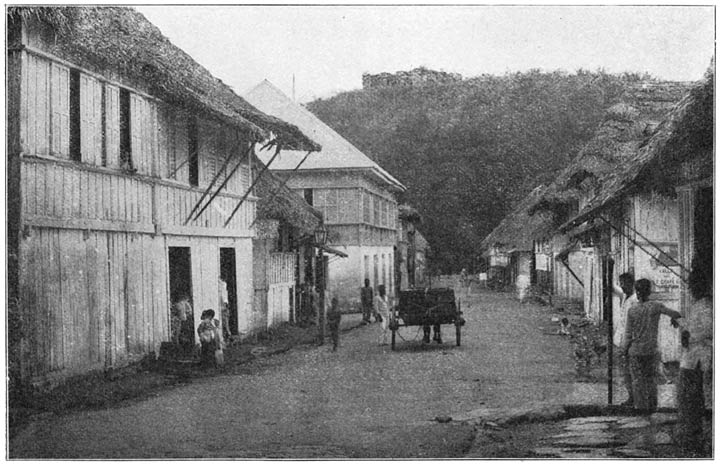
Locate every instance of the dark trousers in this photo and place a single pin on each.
(367, 312)
(642, 371)
(335, 333)
(691, 408)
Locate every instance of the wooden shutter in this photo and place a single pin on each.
(137, 112)
(60, 116)
(36, 106)
(331, 206)
(112, 126)
(90, 120)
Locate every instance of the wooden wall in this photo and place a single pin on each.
(91, 299)
(93, 256)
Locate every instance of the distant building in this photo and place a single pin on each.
(356, 196)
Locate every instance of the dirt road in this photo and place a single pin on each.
(363, 401)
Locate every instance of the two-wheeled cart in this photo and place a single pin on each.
(427, 307)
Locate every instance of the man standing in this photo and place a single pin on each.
(641, 345)
(366, 301)
(626, 292)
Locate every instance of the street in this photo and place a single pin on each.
(363, 401)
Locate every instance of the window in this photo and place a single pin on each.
(75, 115)
(366, 207)
(331, 206)
(112, 126)
(126, 161)
(376, 210)
(193, 151)
(308, 195)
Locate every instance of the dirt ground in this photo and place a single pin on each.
(363, 401)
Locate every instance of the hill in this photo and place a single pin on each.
(469, 149)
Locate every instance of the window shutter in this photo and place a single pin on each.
(90, 120)
(112, 126)
(60, 110)
(37, 122)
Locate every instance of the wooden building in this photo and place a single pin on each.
(129, 175)
(658, 205)
(355, 195)
(510, 247)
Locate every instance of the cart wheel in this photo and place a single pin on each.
(392, 340)
(457, 335)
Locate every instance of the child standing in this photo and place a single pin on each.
(208, 333)
(333, 317)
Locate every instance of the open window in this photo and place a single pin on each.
(193, 152)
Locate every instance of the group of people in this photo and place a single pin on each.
(212, 334)
(636, 333)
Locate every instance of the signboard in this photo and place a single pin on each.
(659, 269)
(542, 262)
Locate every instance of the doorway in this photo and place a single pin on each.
(181, 296)
(229, 275)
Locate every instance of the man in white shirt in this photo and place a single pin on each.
(626, 292)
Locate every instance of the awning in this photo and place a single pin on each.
(333, 251)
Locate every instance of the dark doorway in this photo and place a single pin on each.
(229, 275)
(180, 274)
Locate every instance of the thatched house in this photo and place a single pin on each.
(511, 247)
(283, 249)
(585, 267)
(130, 172)
(658, 203)
(356, 196)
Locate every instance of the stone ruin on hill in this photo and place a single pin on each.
(414, 78)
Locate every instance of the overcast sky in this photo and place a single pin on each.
(328, 48)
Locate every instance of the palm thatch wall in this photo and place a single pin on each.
(122, 41)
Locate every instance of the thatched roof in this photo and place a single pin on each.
(621, 133)
(519, 228)
(122, 41)
(278, 202)
(685, 134)
(409, 213)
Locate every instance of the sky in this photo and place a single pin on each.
(328, 48)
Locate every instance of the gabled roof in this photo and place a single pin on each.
(686, 133)
(336, 153)
(519, 228)
(123, 41)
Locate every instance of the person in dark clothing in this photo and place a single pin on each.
(208, 333)
(333, 317)
(366, 301)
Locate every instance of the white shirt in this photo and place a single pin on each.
(620, 315)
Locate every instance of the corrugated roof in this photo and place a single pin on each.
(336, 153)
(123, 41)
(686, 132)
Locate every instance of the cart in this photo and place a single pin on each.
(427, 307)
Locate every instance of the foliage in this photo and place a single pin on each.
(468, 151)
